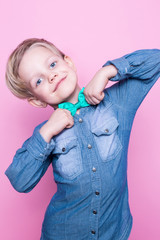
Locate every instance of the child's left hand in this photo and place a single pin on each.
(94, 90)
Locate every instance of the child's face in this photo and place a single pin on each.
(49, 77)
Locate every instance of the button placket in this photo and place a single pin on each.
(95, 202)
(96, 199)
(95, 183)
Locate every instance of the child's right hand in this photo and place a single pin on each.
(60, 119)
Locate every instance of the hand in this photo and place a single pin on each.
(60, 119)
(94, 90)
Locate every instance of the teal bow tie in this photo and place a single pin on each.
(73, 107)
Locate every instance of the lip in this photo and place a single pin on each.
(59, 83)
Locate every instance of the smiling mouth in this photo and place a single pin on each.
(59, 83)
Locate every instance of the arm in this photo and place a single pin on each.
(94, 90)
(32, 160)
(140, 65)
(30, 163)
(137, 73)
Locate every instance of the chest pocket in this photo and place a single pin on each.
(107, 139)
(67, 159)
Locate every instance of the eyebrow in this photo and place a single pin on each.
(47, 60)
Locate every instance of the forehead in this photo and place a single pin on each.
(34, 58)
(38, 52)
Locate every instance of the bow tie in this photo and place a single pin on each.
(73, 107)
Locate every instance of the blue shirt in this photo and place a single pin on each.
(90, 159)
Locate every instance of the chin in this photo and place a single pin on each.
(67, 94)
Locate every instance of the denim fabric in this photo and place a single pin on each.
(90, 159)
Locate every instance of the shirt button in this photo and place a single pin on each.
(63, 149)
(97, 193)
(94, 169)
(94, 212)
(80, 120)
(93, 232)
(89, 146)
(106, 130)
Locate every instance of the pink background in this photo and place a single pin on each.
(91, 32)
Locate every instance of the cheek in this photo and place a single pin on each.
(74, 76)
(42, 93)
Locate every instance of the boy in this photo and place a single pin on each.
(86, 138)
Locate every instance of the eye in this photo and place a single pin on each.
(53, 64)
(38, 81)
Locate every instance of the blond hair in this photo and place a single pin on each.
(16, 85)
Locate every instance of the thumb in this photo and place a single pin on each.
(101, 95)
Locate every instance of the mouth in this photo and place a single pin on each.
(57, 85)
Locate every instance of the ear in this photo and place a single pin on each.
(36, 102)
(69, 61)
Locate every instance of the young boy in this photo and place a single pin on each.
(86, 138)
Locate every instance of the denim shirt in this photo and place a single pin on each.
(90, 159)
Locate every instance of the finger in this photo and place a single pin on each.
(70, 124)
(90, 101)
(66, 111)
(69, 115)
(99, 96)
(95, 100)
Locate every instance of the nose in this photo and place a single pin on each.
(52, 77)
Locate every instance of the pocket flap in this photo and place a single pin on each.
(107, 127)
(64, 146)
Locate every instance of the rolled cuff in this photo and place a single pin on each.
(122, 66)
(38, 147)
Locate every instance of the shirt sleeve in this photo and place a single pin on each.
(137, 73)
(30, 162)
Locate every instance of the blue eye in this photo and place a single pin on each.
(38, 81)
(53, 65)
